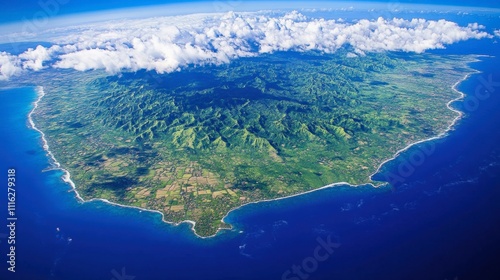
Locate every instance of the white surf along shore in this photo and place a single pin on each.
(55, 165)
(443, 134)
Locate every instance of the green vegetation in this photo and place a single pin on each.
(199, 142)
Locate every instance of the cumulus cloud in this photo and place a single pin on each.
(34, 58)
(169, 43)
(9, 66)
(497, 33)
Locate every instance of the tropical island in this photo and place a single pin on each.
(197, 143)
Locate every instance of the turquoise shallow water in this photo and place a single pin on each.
(441, 222)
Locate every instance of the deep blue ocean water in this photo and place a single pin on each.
(440, 221)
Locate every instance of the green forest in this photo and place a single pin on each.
(198, 142)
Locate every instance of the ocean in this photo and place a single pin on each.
(440, 221)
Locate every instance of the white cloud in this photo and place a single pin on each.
(9, 66)
(34, 58)
(169, 43)
(497, 33)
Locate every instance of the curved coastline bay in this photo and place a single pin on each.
(199, 142)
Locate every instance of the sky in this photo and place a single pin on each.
(19, 10)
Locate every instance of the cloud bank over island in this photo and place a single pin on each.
(166, 44)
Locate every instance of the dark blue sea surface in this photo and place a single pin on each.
(440, 220)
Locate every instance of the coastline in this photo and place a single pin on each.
(398, 153)
(67, 176)
(56, 165)
(447, 130)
